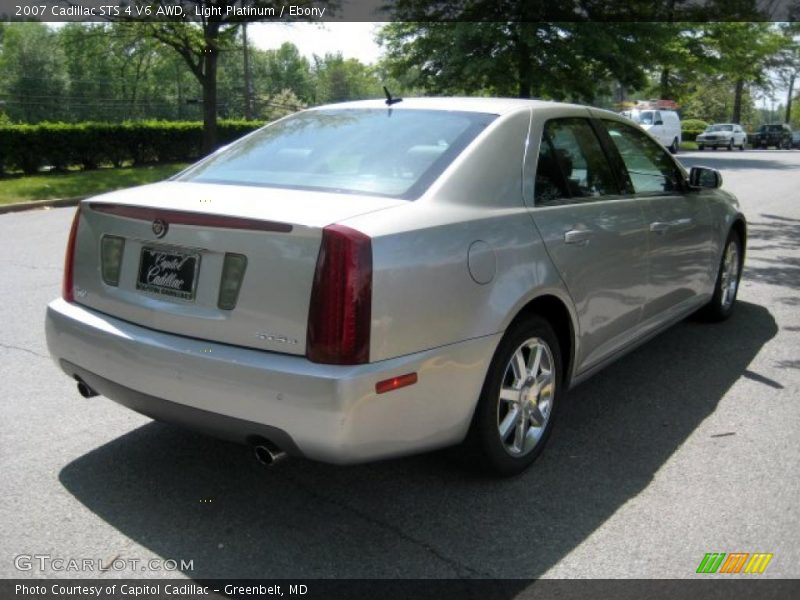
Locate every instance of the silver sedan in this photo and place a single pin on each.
(363, 281)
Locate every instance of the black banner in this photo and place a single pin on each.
(702, 587)
(400, 10)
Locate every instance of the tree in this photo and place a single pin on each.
(200, 44)
(744, 53)
(286, 69)
(570, 60)
(33, 79)
(339, 79)
(789, 64)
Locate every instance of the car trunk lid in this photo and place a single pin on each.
(177, 245)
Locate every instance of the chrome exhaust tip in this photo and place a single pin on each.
(268, 454)
(85, 391)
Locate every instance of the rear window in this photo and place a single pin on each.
(720, 128)
(394, 153)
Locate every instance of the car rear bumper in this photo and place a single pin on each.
(329, 413)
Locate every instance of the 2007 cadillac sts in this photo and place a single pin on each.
(362, 281)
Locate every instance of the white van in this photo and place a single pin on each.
(664, 125)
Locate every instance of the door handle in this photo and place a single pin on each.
(664, 226)
(578, 237)
(659, 227)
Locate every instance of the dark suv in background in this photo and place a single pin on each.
(774, 134)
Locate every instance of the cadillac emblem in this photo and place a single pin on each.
(160, 228)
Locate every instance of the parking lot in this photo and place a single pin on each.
(689, 445)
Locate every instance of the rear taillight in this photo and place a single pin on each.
(67, 289)
(340, 314)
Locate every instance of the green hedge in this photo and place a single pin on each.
(691, 128)
(87, 145)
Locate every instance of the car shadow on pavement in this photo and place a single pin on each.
(184, 496)
(772, 251)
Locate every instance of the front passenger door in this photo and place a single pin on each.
(679, 224)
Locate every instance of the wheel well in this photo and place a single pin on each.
(556, 313)
(740, 228)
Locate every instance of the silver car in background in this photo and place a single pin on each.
(722, 135)
(357, 282)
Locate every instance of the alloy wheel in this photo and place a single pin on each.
(526, 398)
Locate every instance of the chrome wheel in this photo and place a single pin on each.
(526, 399)
(729, 278)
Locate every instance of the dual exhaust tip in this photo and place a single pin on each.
(267, 453)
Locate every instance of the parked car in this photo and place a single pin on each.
(778, 135)
(722, 135)
(357, 282)
(663, 125)
(796, 139)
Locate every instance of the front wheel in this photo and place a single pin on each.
(700, 147)
(730, 146)
(730, 272)
(674, 147)
(518, 403)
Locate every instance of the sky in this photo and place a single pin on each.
(353, 40)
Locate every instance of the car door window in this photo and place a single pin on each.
(572, 166)
(650, 168)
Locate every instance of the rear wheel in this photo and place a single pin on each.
(674, 147)
(518, 403)
(730, 271)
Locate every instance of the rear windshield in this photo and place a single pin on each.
(394, 153)
(771, 128)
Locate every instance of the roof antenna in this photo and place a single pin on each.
(389, 99)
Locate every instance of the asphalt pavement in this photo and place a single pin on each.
(689, 445)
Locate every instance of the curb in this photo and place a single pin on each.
(33, 204)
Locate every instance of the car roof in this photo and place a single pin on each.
(495, 106)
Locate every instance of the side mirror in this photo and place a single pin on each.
(658, 123)
(705, 177)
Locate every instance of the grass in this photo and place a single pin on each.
(689, 146)
(82, 183)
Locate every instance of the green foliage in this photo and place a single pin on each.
(561, 61)
(31, 63)
(88, 145)
(691, 128)
(340, 79)
(81, 183)
(712, 100)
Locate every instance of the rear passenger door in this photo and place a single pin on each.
(594, 234)
(679, 224)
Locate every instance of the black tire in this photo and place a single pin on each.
(718, 309)
(674, 147)
(484, 442)
(700, 147)
(730, 146)
(741, 148)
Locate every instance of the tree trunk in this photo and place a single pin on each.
(248, 85)
(666, 93)
(210, 56)
(737, 101)
(789, 99)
